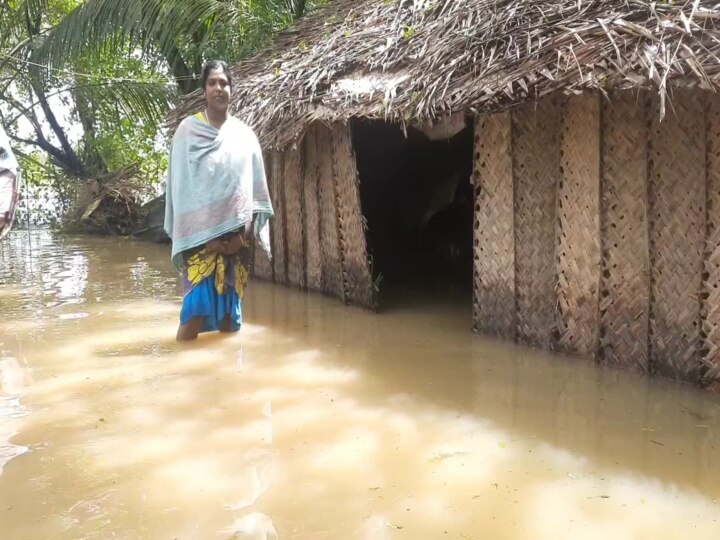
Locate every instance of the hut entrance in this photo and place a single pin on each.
(418, 201)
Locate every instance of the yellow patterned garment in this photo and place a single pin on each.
(201, 265)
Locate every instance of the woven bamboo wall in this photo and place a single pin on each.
(311, 209)
(318, 232)
(357, 276)
(493, 244)
(327, 198)
(262, 266)
(578, 220)
(711, 286)
(536, 163)
(278, 222)
(597, 228)
(624, 310)
(624, 211)
(294, 241)
(677, 234)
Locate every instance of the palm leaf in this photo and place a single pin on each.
(147, 102)
(130, 24)
(14, 20)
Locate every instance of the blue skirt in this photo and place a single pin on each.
(204, 301)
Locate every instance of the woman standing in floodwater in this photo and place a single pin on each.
(216, 202)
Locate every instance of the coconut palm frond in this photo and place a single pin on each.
(132, 25)
(147, 102)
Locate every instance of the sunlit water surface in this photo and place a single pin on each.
(318, 421)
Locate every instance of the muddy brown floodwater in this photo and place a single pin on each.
(318, 421)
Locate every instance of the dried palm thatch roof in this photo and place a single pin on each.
(419, 60)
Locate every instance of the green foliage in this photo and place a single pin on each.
(180, 33)
(126, 112)
(125, 144)
(35, 169)
(106, 69)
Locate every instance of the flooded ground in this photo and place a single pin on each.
(318, 421)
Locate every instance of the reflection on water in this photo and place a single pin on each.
(318, 421)
(12, 381)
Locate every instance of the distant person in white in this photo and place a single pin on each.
(9, 175)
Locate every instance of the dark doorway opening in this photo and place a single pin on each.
(417, 197)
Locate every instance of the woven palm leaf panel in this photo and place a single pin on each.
(536, 168)
(278, 225)
(711, 285)
(293, 191)
(262, 266)
(493, 237)
(624, 304)
(311, 210)
(356, 273)
(332, 283)
(677, 234)
(578, 227)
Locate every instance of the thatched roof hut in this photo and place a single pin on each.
(419, 60)
(590, 131)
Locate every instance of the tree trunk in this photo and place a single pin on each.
(185, 78)
(91, 156)
(299, 10)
